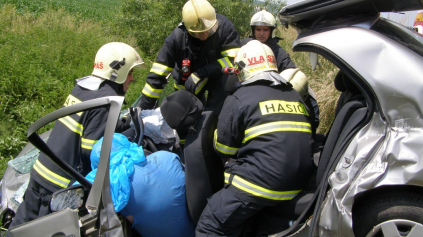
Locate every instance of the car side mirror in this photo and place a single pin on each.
(72, 197)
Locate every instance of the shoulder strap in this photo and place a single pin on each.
(182, 40)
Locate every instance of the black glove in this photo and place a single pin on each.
(195, 81)
(123, 123)
(137, 124)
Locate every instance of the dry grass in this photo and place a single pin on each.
(320, 80)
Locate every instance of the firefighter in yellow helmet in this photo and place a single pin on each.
(264, 129)
(194, 54)
(263, 24)
(73, 136)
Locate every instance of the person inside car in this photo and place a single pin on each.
(260, 124)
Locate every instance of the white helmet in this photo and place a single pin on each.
(113, 61)
(298, 80)
(254, 58)
(199, 16)
(263, 18)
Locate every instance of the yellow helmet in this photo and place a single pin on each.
(254, 58)
(113, 61)
(199, 16)
(298, 80)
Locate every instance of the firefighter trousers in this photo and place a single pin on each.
(226, 214)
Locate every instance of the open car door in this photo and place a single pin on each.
(94, 213)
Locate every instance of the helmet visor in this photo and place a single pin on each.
(203, 34)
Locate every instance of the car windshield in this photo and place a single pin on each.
(400, 34)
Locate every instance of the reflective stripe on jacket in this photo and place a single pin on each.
(73, 138)
(264, 129)
(210, 55)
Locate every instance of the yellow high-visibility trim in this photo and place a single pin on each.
(256, 190)
(178, 86)
(50, 175)
(281, 126)
(87, 143)
(225, 62)
(72, 125)
(200, 85)
(230, 52)
(71, 100)
(223, 148)
(161, 69)
(151, 92)
(195, 78)
(282, 106)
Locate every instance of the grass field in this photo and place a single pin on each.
(41, 55)
(85, 9)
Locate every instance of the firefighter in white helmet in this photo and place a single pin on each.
(263, 24)
(194, 53)
(73, 136)
(264, 129)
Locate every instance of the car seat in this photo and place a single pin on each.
(350, 111)
(203, 168)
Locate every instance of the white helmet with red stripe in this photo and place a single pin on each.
(255, 61)
(114, 60)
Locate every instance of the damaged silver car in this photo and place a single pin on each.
(368, 180)
(369, 176)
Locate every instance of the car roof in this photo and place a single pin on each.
(390, 70)
(306, 11)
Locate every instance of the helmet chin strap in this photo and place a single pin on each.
(113, 76)
(116, 65)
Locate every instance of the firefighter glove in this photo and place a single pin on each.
(195, 82)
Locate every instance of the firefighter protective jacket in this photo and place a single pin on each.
(73, 138)
(282, 57)
(264, 129)
(283, 61)
(210, 56)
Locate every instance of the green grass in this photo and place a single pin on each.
(41, 56)
(85, 9)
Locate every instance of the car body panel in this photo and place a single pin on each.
(387, 151)
(400, 99)
(300, 14)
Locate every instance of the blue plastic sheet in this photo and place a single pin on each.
(157, 202)
(123, 156)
